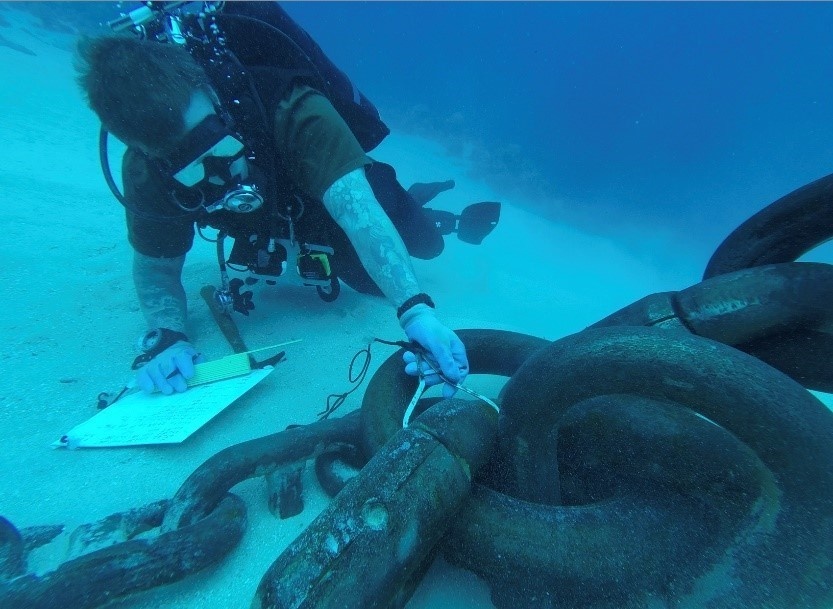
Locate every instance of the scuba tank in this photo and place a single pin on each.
(286, 44)
(259, 34)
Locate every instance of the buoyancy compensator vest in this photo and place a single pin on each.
(253, 53)
(263, 34)
(257, 35)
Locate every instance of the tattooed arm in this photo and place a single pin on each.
(352, 204)
(158, 283)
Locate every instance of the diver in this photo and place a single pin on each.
(226, 127)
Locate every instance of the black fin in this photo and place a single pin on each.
(477, 221)
(444, 221)
(423, 192)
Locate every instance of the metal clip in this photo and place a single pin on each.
(422, 356)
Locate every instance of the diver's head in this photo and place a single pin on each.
(141, 90)
(209, 152)
(156, 97)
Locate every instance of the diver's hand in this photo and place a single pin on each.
(444, 349)
(169, 370)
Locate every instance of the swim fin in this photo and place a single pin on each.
(477, 221)
(473, 224)
(423, 192)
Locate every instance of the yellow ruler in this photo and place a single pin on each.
(228, 367)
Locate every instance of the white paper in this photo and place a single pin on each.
(140, 418)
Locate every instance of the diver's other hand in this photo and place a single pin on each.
(444, 347)
(169, 370)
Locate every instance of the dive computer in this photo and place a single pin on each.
(153, 342)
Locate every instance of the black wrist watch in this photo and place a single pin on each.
(421, 298)
(153, 342)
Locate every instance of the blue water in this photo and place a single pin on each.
(686, 117)
(693, 115)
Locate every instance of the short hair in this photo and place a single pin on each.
(138, 88)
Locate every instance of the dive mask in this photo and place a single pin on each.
(211, 159)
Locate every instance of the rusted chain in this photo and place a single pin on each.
(210, 481)
(380, 530)
(333, 459)
(109, 573)
(787, 529)
(202, 523)
(780, 313)
(672, 496)
(781, 232)
(490, 352)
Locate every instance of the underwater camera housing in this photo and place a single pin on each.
(268, 259)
